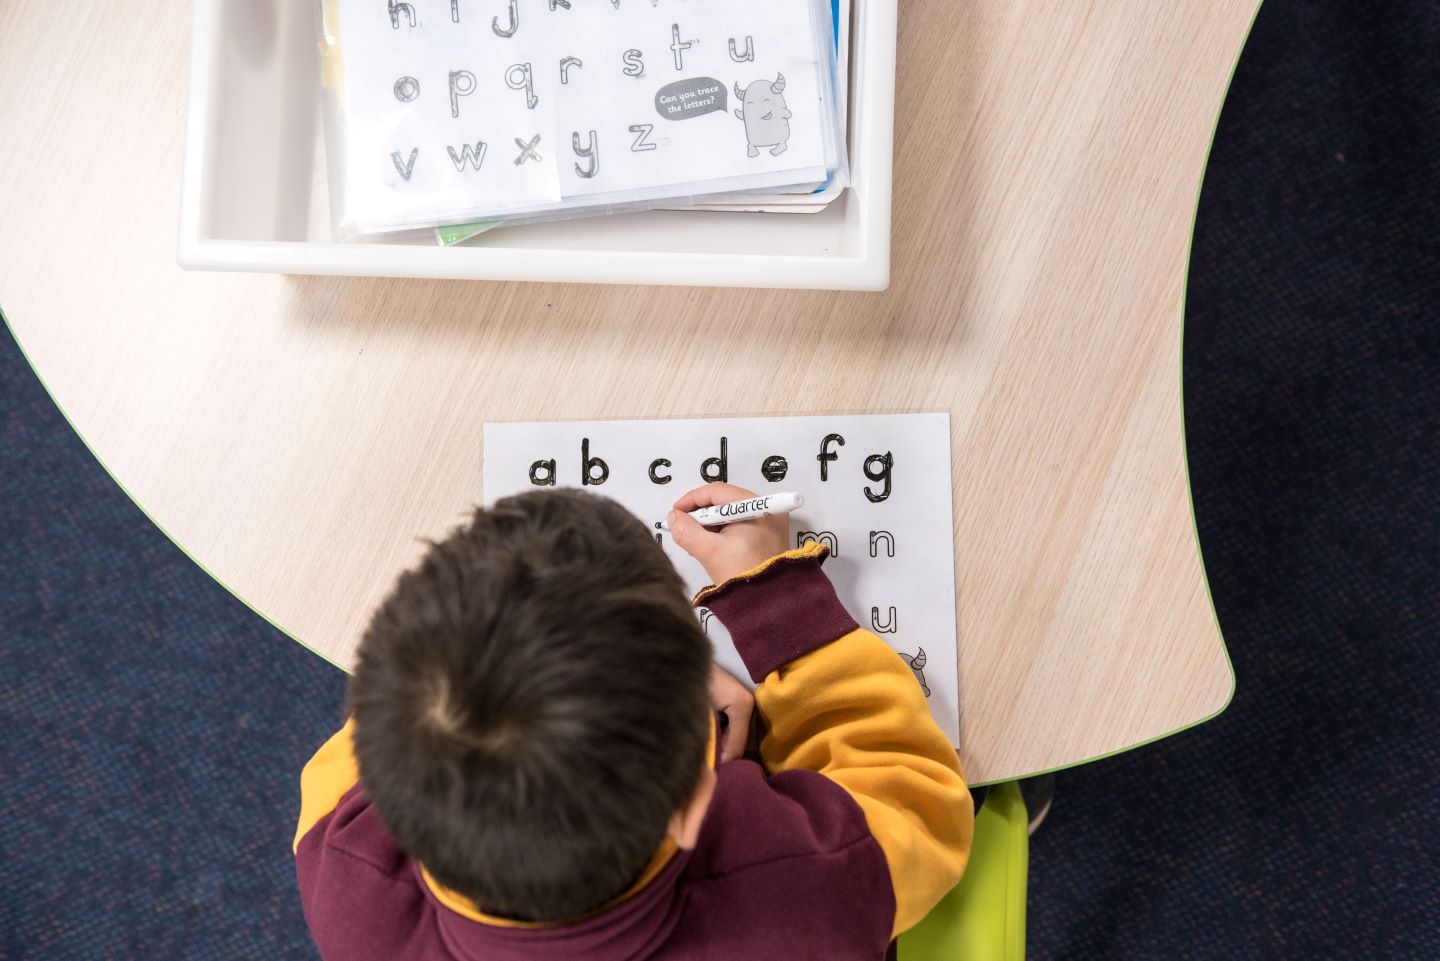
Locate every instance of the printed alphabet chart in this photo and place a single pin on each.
(876, 488)
(444, 111)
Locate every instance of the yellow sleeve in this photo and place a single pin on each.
(325, 779)
(852, 711)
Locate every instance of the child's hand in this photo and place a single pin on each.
(734, 548)
(732, 699)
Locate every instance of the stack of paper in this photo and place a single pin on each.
(502, 111)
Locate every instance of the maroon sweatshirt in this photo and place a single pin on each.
(858, 823)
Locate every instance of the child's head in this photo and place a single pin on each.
(531, 705)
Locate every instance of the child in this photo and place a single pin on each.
(533, 768)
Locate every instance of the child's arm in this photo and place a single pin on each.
(838, 701)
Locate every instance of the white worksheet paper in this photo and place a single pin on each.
(630, 102)
(893, 561)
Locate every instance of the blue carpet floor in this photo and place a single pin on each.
(1302, 823)
(151, 727)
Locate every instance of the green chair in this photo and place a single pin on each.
(983, 919)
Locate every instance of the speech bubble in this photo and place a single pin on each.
(695, 97)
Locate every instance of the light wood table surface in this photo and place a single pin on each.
(298, 436)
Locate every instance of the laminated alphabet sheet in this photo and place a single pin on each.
(808, 200)
(445, 111)
(876, 488)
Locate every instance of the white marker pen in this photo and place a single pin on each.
(764, 506)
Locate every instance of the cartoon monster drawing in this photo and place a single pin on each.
(917, 664)
(767, 118)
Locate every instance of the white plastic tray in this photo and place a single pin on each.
(254, 194)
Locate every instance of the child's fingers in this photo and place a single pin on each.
(711, 494)
(735, 704)
(688, 536)
(732, 742)
(737, 733)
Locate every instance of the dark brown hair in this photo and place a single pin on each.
(531, 705)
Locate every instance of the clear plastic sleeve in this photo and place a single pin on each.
(446, 112)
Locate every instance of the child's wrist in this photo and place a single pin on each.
(779, 610)
(742, 567)
(741, 570)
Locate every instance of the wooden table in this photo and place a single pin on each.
(297, 436)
